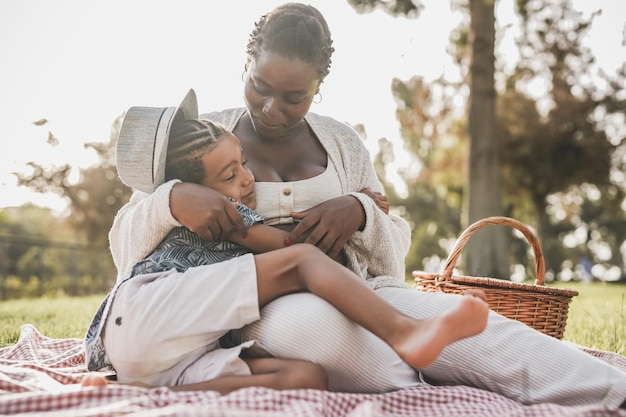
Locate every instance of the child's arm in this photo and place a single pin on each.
(261, 238)
(379, 198)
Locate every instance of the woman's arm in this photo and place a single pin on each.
(377, 242)
(329, 225)
(348, 217)
(263, 238)
(382, 244)
(139, 226)
(385, 239)
(146, 219)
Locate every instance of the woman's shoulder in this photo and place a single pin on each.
(330, 124)
(330, 129)
(327, 122)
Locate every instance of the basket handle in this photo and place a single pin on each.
(496, 220)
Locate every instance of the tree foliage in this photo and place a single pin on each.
(42, 254)
(561, 147)
(435, 176)
(95, 198)
(488, 250)
(567, 145)
(561, 141)
(407, 8)
(49, 254)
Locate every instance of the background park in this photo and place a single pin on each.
(530, 125)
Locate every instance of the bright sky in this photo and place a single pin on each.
(80, 64)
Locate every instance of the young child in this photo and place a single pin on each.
(203, 152)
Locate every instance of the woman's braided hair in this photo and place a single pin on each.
(296, 31)
(189, 141)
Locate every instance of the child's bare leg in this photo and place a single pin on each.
(279, 374)
(418, 342)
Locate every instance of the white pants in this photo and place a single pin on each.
(507, 358)
(163, 328)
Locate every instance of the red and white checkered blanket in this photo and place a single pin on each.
(40, 376)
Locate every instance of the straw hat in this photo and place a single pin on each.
(142, 142)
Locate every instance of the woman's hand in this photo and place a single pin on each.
(328, 225)
(205, 211)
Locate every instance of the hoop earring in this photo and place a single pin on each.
(320, 98)
(243, 75)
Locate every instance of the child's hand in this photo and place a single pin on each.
(232, 200)
(379, 198)
(236, 203)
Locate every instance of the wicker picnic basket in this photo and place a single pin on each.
(540, 307)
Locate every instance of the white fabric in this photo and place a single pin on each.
(159, 324)
(139, 226)
(355, 172)
(279, 199)
(508, 357)
(303, 326)
(512, 359)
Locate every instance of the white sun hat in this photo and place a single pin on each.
(142, 142)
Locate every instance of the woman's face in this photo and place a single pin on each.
(278, 93)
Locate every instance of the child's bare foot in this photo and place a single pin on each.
(97, 380)
(476, 292)
(94, 380)
(432, 335)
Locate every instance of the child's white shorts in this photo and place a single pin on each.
(163, 328)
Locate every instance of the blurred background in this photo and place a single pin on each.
(469, 109)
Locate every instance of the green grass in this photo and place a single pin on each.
(54, 317)
(597, 316)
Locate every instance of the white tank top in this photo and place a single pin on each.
(276, 200)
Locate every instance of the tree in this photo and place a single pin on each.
(78, 262)
(486, 253)
(562, 153)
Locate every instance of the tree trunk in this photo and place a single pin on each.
(486, 253)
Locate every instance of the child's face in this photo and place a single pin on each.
(226, 172)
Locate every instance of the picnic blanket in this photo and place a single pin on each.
(41, 376)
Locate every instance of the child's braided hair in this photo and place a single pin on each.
(189, 140)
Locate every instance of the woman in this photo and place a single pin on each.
(174, 285)
(309, 168)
